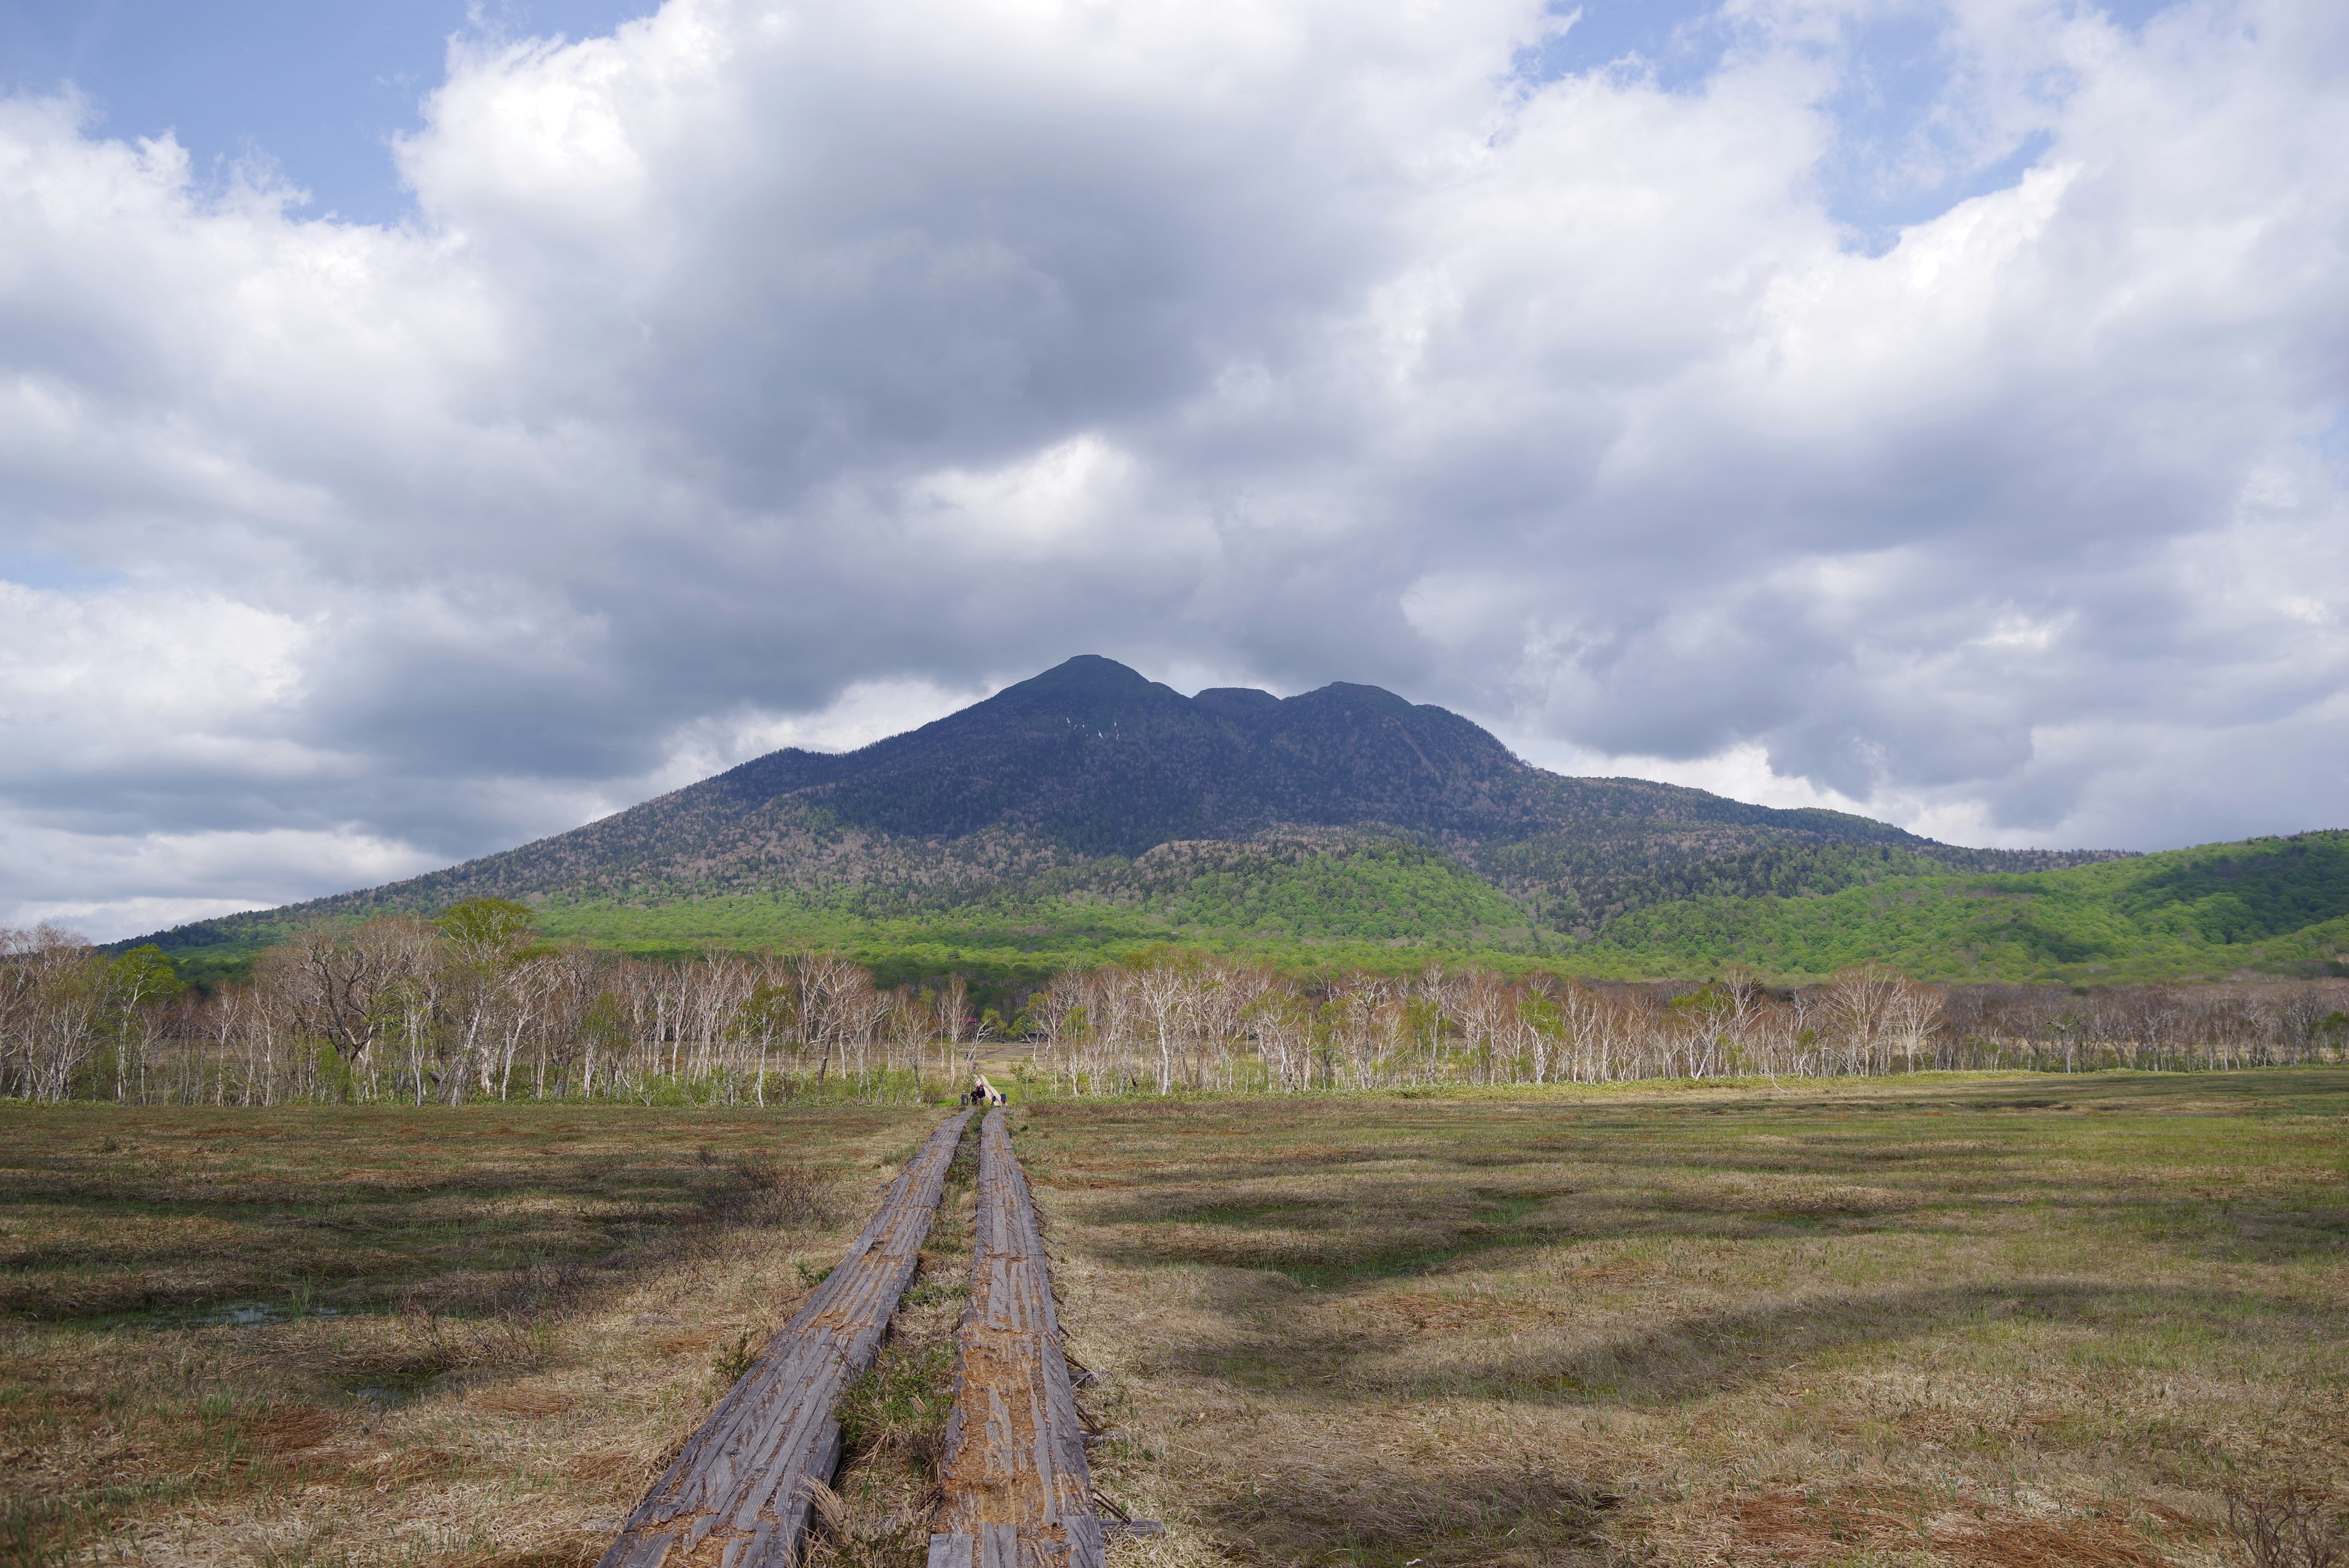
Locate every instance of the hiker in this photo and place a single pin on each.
(983, 1093)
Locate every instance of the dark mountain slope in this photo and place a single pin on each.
(1095, 760)
(1062, 782)
(1091, 758)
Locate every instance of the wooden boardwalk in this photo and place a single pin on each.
(739, 1495)
(1015, 1491)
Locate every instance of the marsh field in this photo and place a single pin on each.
(2014, 1320)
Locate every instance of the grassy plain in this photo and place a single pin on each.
(390, 1337)
(2010, 1320)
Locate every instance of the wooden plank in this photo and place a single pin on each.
(1015, 1490)
(739, 1495)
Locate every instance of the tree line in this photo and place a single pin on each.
(473, 1006)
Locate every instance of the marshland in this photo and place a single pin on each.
(1929, 1318)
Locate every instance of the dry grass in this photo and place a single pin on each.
(2009, 1321)
(383, 1337)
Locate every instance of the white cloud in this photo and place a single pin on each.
(1048, 504)
(863, 712)
(97, 687)
(773, 373)
(127, 885)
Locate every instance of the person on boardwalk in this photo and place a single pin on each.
(983, 1093)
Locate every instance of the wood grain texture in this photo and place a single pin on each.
(739, 1495)
(1014, 1488)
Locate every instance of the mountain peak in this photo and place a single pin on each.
(1086, 672)
(1085, 691)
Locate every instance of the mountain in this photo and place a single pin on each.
(2259, 907)
(1343, 813)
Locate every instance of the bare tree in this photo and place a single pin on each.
(1860, 1002)
(1164, 991)
(342, 983)
(52, 994)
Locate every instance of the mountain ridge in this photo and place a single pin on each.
(1065, 783)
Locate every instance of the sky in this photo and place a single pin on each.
(426, 427)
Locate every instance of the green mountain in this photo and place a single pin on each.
(2262, 906)
(1088, 810)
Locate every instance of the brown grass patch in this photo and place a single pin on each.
(1810, 1528)
(2030, 1544)
(397, 1467)
(584, 1554)
(1613, 1273)
(528, 1402)
(604, 1468)
(292, 1428)
(1427, 1311)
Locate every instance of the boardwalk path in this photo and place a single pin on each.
(738, 1497)
(1015, 1468)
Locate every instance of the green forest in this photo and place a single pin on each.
(2262, 906)
(2275, 907)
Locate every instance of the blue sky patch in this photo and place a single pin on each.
(316, 90)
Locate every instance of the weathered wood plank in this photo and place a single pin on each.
(737, 1495)
(1015, 1475)
(951, 1551)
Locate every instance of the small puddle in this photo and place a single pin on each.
(261, 1314)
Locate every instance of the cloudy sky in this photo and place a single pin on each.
(425, 427)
